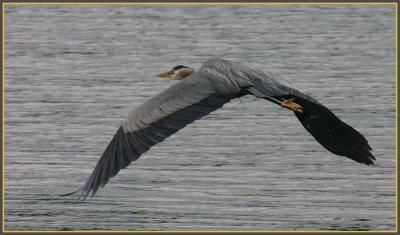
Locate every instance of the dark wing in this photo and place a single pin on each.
(152, 122)
(331, 132)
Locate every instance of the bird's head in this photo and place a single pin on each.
(178, 72)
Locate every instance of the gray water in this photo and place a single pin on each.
(73, 72)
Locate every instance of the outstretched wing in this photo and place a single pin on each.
(331, 132)
(152, 122)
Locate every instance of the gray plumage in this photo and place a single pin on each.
(216, 83)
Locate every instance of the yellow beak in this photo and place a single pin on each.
(165, 75)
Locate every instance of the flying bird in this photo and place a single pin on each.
(201, 92)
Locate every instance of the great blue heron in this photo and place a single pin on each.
(199, 93)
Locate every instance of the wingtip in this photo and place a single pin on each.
(369, 162)
(82, 196)
(367, 158)
(69, 194)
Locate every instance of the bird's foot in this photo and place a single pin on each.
(290, 104)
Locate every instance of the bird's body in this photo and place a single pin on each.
(199, 93)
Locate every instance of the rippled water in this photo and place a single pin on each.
(73, 72)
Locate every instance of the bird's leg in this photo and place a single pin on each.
(290, 104)
(286, 103)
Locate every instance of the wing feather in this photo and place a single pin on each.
(332, 133)
(149, 125)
